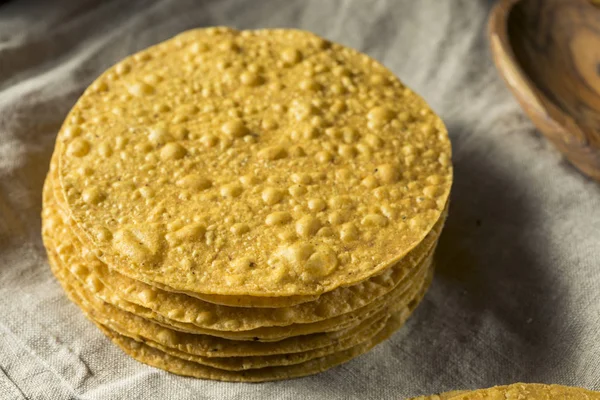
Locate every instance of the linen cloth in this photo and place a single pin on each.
(515, 297)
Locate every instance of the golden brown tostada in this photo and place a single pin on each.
(519, 391)
(238, 151)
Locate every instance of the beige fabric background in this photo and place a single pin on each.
(516, 297)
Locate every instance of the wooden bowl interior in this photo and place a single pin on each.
(557, 45)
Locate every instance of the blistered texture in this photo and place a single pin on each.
(264, 163)
(520, 391)
(243, 300)
(182, 308)
(226, 300)
(160, 359)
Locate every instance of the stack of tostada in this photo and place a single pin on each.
(247, 205)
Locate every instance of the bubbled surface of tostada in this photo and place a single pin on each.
(265, 163)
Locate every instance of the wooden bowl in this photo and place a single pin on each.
(548, 52)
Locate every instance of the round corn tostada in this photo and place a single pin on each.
(519, 391)
(247, 205)
(255, 178)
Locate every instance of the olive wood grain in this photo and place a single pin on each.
(548, 52)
